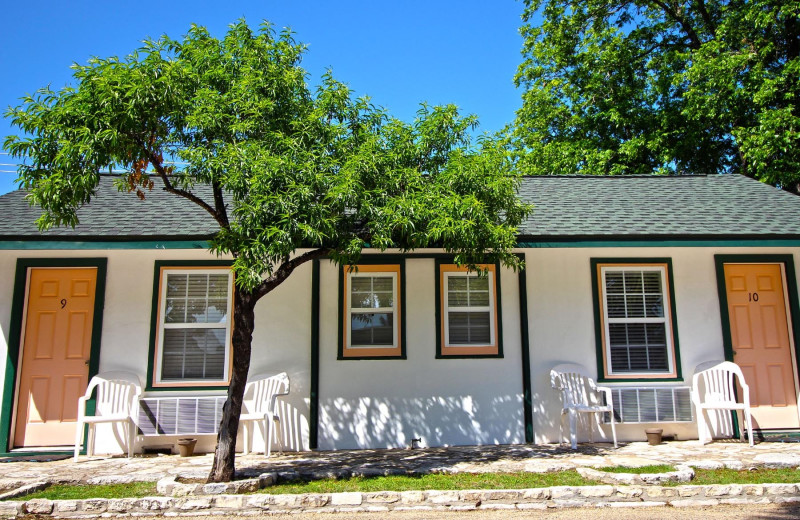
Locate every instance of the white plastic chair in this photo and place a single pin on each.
(718, 392)
(262, 409)
(117, 401)
(576, 387)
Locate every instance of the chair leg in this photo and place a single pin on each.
(131, 437)
(90, 438)
(267, 437)
(246, 447)
(749, 420)
(78, 439)
(276, 424)
(573, 429)
(613, 429)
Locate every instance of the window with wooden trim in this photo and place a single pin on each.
(637, 329)
(193, 344)
(371, 312)
(468, 312)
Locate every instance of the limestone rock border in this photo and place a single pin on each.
(519, 499)
(171, 486)
(682, 473)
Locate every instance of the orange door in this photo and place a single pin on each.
(761, 345)
(55, 355)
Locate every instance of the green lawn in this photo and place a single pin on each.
(442, 482)
(68, 492)
(655, 468)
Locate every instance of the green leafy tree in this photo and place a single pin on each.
(288, 174)
(667, 86)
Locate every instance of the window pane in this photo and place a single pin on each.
(635, 305)
(479, 283)
(371, 292)
(217, 311)
(655, 306)
(372, 329)
(616, 306)
(469, 328)
(638, 347)
(614, 283)
(633, 282)
(176, 285)
(198, 286)
(652, 282)
(175, 311)
(218, 286)
(193, 354)
(468, 291)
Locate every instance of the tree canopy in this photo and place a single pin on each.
(231, 125)
(666, 86)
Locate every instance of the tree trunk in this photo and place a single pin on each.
(222, 470)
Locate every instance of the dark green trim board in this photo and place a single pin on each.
(598, 323)
(527, 394)
(313, 407)
(791, 292)
(15, 329)
(438, 313)
(398, 260)
(103, 244)
(154, 321)
(551, 242)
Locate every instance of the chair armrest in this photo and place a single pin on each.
(607, 391)
(274, 401)
(82, 407)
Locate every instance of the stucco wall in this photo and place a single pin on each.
(280, 342)
(386, 403)
(561, 322)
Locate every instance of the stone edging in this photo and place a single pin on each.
(540, 498)
(681, 474)
(171, 486)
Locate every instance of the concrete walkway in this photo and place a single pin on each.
(471, 459)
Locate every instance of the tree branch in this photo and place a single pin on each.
(162, 173)
(710, 25)
(286, 269)
(219, 204)
(687, 28)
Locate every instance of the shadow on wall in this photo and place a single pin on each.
(387, 422)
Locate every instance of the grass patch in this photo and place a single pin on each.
(69, 492)
(758, 476)
(436, 481)
(654, 468)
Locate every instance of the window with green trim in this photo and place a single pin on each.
(193, 343)
(636, 332)
(371, 312)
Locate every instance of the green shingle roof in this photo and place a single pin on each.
(566, 207)
(657, 207)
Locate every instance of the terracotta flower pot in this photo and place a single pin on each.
(653, 436)
(186, 447)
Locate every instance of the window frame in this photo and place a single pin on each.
(162, 269)
(445, 349)
(600, 266)
(364, 269)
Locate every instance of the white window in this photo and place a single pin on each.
(194, 337)
(372, 317)
(637, 326)
(469, 314)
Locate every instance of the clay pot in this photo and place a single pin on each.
(653, 436)
(186, 447)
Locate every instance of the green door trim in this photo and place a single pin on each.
(791, 291)
(15, 331)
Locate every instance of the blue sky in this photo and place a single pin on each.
(400, 53)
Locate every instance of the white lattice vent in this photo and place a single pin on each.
(180, 415)
(652, 404)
